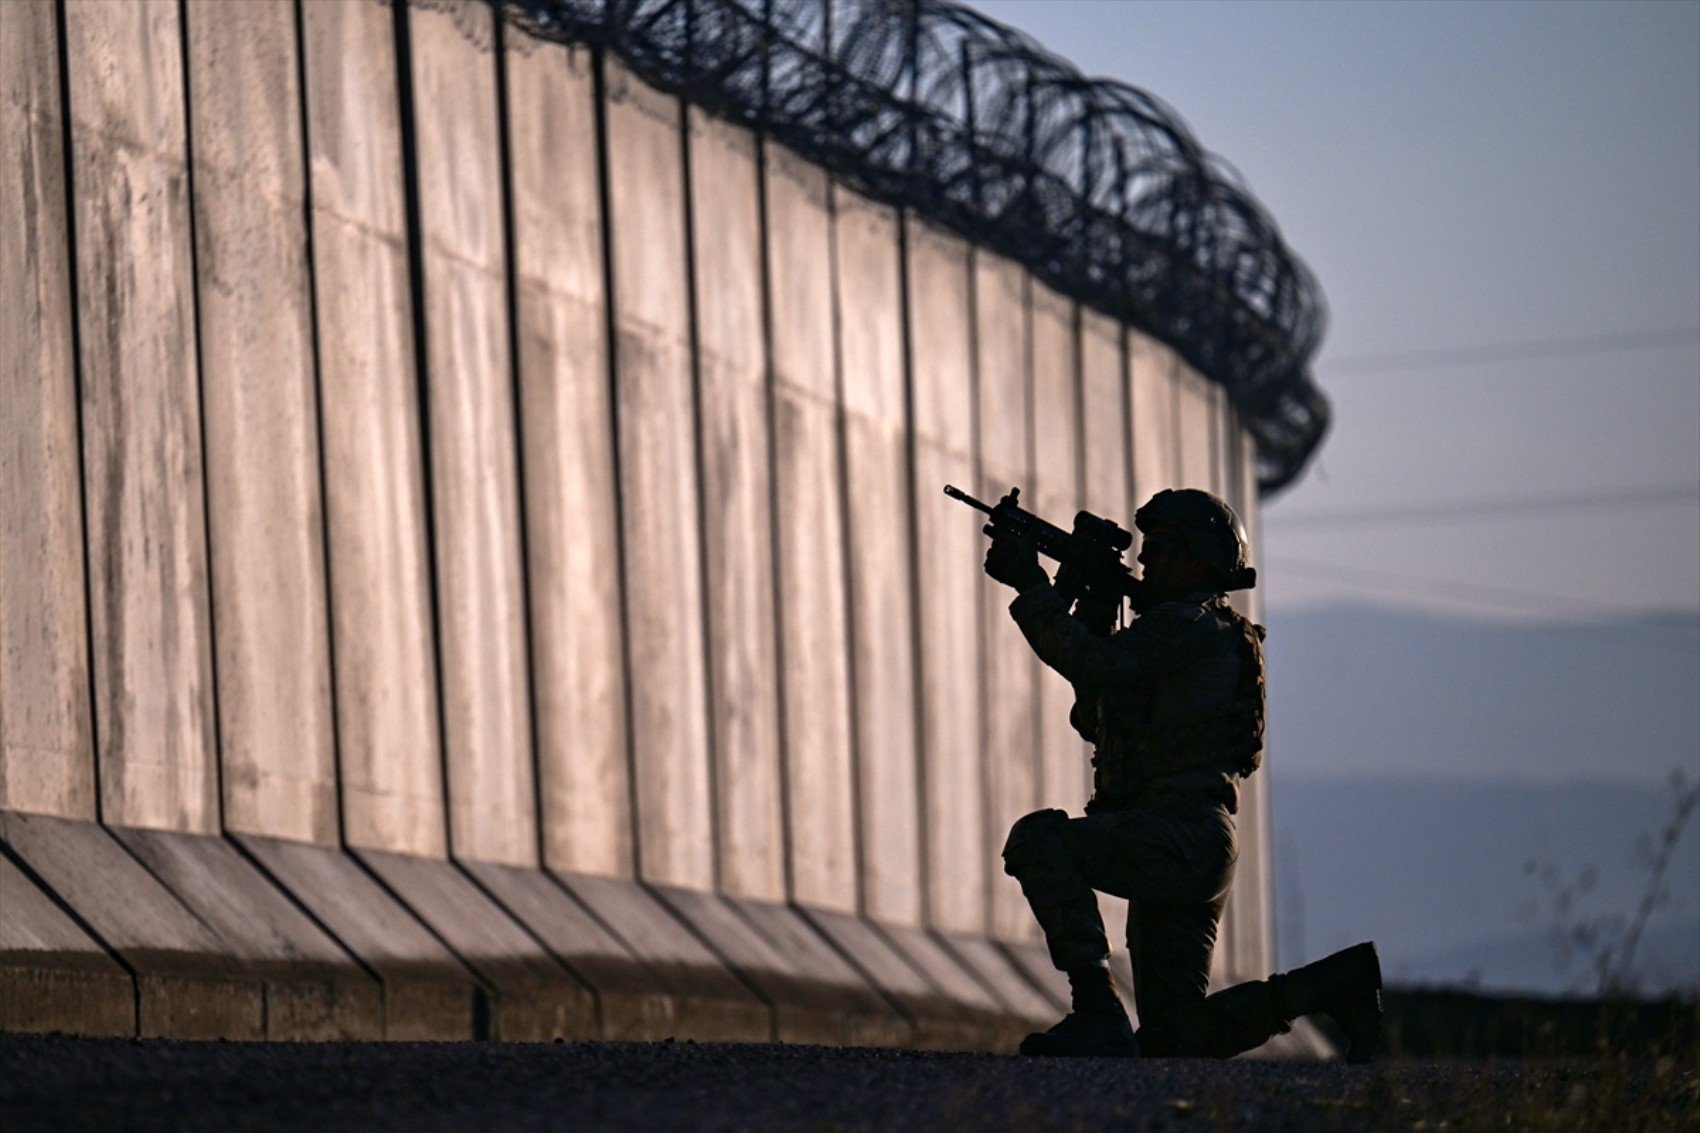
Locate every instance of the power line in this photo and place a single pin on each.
(1508, 351)
(1464, 511)
(1519, 599)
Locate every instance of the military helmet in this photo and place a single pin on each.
(1213, 533)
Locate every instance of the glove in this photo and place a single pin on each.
(1098, 613)
(1015, 563)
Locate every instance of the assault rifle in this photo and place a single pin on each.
(1090, 568)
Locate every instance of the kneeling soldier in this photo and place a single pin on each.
(1174, 706)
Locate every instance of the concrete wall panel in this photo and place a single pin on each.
(474, 462)
(1104, 433)
(737, 506)
(876, 457)
(948, 552)
(815, 636)
(46, 737)
(271, 619)
(567, 424)
(1254, 884)
(386, 685)
(1065, 772)
(658, 479)
(1104, 419)
(1011, 673)
(673, 471)
(1194, 426)
(1152, 408)
(141, 418)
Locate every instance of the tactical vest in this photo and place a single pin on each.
(1206, 714)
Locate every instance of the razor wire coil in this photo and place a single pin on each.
(1095, 186)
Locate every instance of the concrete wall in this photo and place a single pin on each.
(455, 489)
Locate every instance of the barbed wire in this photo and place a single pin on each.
(1096, 187)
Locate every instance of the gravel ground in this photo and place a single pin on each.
(54, 1083)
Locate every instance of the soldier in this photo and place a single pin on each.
(1174, 707)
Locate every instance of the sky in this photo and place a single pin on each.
(1502, 204)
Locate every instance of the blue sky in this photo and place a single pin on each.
(1463, 176)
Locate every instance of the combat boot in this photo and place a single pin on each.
(1095, 1027)
(1346, 987)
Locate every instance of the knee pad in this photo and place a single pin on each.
(1034, 839)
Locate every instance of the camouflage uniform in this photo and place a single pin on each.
(1173, 705)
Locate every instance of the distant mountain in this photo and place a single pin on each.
(1439, 785)
(1666, 959)
(1464, 882)
(1376, 692)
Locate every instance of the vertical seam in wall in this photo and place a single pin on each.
(201, 409)
(923, 854)
(693, 334)
(73, 268)
(1077, 315)
(982, 687)
(1177, 466)
(599, 94)
(421, 364)
(1077, 331)
(319, 413)
(1030, 458)
(841, 437)
(1125, 361)
(770, 388)
(510, 279)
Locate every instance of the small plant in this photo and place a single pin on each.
(1608, 941)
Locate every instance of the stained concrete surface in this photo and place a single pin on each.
(660, 493)
(737, 502)
(264, 499)
(386, 684)
(474, 461)
(1011, 745)
(1063, 770)
(46, 730)
(75, 1084)
(948, 547)
(808, 501)
(567, 440)
(141, 417)
(870, 343)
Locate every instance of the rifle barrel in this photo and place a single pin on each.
(956, 493)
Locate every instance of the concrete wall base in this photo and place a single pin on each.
(53, 975)
(133, 932)
(188, 982)
(531, 995)
(428, 994)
